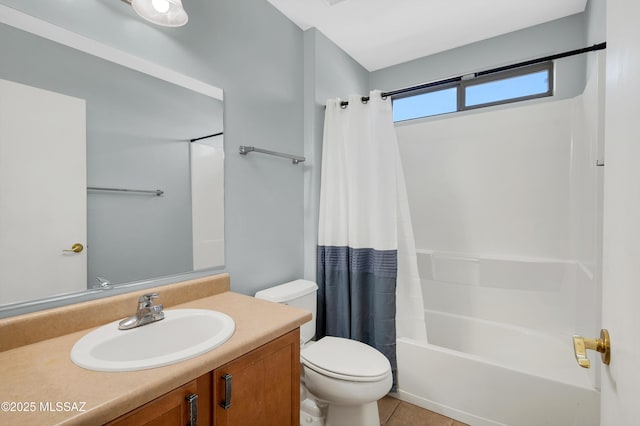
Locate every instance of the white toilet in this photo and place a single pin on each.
(341, 379)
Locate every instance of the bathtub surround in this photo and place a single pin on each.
(536, 294)
(362, 228)
(495, 183)
(506, 207)
(207, 201)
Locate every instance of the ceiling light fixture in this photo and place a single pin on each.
(168, 13)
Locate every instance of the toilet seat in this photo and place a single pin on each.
(346, 359)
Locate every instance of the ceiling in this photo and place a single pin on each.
(381, 33)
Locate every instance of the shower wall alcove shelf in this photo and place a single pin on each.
(244, 150)
(156, 192)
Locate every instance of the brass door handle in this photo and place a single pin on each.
(602, 345)
(76, 248)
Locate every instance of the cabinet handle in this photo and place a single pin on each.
(192, 400)
(227, 391)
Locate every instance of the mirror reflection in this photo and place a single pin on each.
(70, 121)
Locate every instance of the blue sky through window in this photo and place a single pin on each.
(431, 103)
(508, 88)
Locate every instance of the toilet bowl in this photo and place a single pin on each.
(348, 377)
(343, 379)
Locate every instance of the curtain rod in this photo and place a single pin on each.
(205, 137)
(599, 46)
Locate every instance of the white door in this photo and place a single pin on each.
(43, 193)
(621, 229)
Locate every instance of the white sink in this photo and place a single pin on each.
(182, 334)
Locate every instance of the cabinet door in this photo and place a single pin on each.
(264, 386)
(172, 409)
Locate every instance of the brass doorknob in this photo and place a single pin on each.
(76, 248)
(602, 345)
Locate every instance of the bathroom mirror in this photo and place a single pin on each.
(147, 189)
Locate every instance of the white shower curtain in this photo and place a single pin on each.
(366, 253)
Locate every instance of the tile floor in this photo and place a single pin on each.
(394, 412)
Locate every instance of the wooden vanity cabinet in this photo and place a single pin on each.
(260, 388)
(172, 408)
(264, 386)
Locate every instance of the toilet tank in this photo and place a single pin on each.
(298, 293)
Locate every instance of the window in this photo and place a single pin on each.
(425, 104)
(529, 82)
(509, 86)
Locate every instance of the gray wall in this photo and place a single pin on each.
(596, 21)
(255, 54)
(328, 73)
(537, 41)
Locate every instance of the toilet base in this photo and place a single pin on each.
(310, 413)
(353, 415)
(308, 420)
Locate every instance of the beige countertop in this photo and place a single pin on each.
(44, 386)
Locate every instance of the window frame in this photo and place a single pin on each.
(504, 75)
(472, 80)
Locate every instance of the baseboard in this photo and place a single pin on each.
(453, 413)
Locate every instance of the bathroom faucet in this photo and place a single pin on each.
(147, 313)
(104, 283)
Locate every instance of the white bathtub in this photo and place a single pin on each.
(486, 373)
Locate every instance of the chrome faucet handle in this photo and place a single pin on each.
(156, 308)
(145, 301)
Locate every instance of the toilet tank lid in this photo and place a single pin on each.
(287, 291)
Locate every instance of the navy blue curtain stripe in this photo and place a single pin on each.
(357, 297)
(379, 262)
